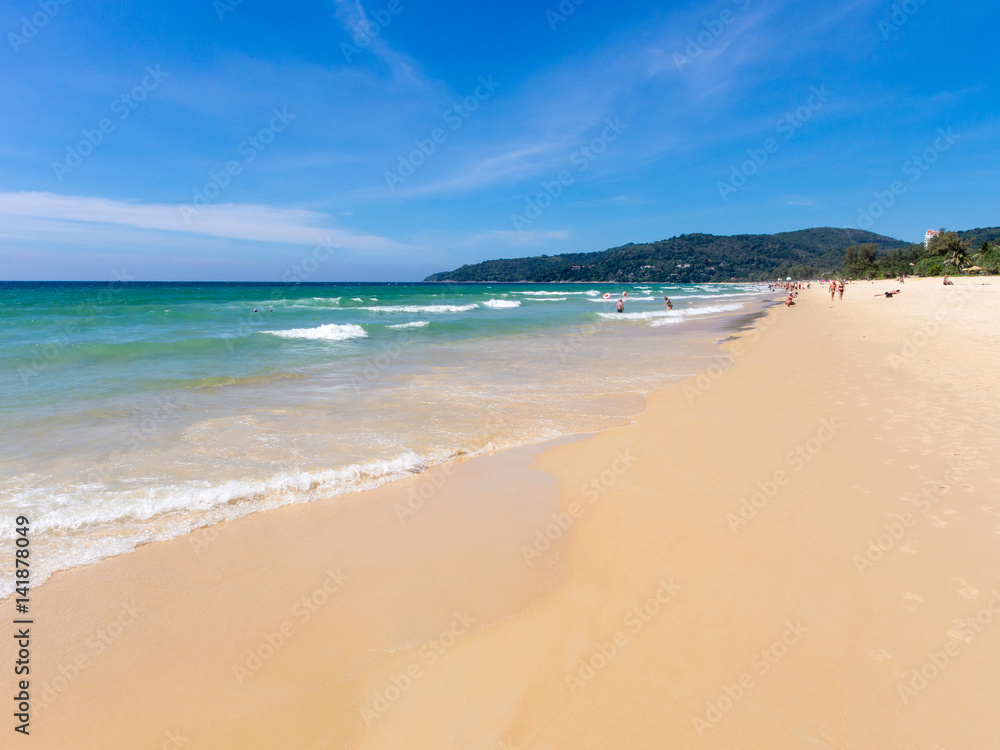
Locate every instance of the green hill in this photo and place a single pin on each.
(689, 258)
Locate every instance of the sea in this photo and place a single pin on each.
(133, 412)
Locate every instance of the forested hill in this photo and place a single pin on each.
(689, 258)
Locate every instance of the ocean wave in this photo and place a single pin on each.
(414, 324)
(666, 321)
(328, 332)
(720, 295)
(549, 299)
(498, 303)
(115, 523)
(682, 313)
(420, 308)
(544, 294)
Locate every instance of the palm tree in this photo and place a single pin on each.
(958, 258)
(988, 257)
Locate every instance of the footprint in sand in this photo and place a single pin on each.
(880, 654)
(912, 601)
(909, 548)
(936, 522)
(967, 591)
(960, 631)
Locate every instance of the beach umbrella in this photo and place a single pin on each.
(788, 278)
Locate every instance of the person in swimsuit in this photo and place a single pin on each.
(833, 289)
(667, 303)
(889, 294)
(621, 306)
(840, 289)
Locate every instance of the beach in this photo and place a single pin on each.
(792, 546)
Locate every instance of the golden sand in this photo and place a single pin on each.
(797, 549)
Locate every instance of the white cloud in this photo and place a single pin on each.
(39, 213)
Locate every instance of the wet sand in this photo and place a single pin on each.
(795, 549)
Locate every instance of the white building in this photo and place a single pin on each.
(930, 233)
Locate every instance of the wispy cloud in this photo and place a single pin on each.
(352, 16)
(260, 223)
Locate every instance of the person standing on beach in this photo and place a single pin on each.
(840, 289)
(833, 288)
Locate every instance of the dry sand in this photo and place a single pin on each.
(707, 577)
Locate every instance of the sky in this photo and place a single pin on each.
(341, 140)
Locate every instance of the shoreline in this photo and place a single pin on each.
(494, 644)
(343, 482)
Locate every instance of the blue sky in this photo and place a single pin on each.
(229, 140)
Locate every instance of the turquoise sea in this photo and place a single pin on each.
(140, 411)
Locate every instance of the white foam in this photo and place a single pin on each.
(420, 308)
(142, 516)
(328, 332)
(498, 303)
(666, 321)
(720, 295)
(414, 324)
(683, 313)
(544, 294)
(549, 299)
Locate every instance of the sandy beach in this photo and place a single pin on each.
(797, 548)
